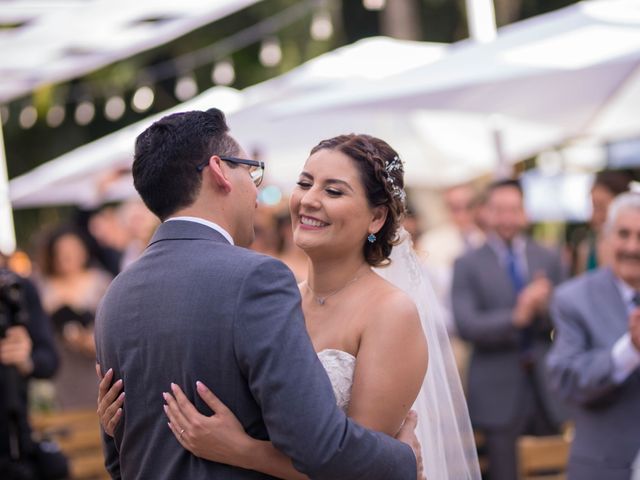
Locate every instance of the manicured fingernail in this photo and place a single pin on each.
(121, 397)
(119, 382)
(109, 371)
(200, 385)
(173, 386)
(166, 408)
(165, 395)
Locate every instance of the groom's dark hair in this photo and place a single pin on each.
(167, 153)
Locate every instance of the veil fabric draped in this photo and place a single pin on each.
(444, 428)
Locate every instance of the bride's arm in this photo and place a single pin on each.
(391, 365)
(221, 438)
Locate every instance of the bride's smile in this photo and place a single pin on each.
(311, 223)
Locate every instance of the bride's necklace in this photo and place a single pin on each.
(321, 300)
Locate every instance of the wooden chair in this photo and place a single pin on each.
(482, 454)
(544, 458)
(78, 435)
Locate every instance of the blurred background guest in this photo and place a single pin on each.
(411, 222)
(138, 224)
(292, 256)
(586, 250)
(595, 357)
(500, 296)
(442, 245)
(71, 288)
(266, 231)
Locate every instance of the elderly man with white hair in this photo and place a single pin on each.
(595, 359)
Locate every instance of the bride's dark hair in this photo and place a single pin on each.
(382, 176)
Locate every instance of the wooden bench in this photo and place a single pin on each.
(543, 458)
(78, 435)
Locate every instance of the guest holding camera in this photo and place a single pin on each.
(26, 351)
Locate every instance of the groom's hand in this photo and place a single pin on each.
(407, 435)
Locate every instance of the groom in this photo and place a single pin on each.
(195, 307)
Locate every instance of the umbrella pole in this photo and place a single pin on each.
(7, 232)
(481, 19)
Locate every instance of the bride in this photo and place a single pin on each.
(370, 314)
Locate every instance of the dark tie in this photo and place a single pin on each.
(513, 269)
(518, 282)
(636, 299)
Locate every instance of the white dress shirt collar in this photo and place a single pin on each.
(518, 247)
(626, 292)
(206, 223)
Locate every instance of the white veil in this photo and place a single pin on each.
(444, 428)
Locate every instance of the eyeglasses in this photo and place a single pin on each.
(256, 168)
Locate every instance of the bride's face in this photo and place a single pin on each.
(329, 207)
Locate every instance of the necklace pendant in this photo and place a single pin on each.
(320, 300)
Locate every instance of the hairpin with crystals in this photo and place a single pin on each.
(389, 168)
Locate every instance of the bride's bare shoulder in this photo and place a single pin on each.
(392, 304)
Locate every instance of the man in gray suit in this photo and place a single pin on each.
(499, 298)
(195, 306)
(596, 352)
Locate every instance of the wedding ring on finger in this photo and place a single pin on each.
(180, 434)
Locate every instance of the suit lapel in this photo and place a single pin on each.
(607, 302)
(534, 260)
(494, 273)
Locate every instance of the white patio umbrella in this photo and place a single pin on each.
(50, 42)
(566, 74)
(57, 41)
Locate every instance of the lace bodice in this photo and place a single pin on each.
(340, 367)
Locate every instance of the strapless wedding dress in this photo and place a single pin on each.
(340, 367)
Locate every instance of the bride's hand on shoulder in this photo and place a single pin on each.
(219, 437)
(407, 435)
(110, 401)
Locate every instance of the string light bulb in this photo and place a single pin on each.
(142, 99)
(321, 25)
(4, 114)
(55, 116)
(28, 117)
(114, 108)
(85, 111)
(186, 88)
(270, 52)
(374, 4)
(223, 73)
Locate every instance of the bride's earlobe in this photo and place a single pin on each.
(379, 217)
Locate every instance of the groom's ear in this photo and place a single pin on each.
(217, 174)
(379, 217)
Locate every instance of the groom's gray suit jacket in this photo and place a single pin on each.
(194, 307)
(590, 316)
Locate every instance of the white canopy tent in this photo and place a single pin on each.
(543, 81)
(73, 177)
(45, 42)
